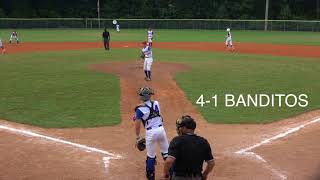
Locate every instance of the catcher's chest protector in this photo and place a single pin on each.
(152, 113)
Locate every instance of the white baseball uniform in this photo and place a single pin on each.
(118, 27)
(14, 35)
(229, 39)
(2, 47)
(155, 134)
(148, 59)
(150, 36)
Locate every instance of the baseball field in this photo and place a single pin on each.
(66, 104)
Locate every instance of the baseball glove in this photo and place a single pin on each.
(142, 56)
(141, 144)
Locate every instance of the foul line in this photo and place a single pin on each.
(266, 164)
(248, 151)
(80, 146)
(106, 161)
(281, 135)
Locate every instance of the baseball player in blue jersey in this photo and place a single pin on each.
(148, 113)
(148, 59)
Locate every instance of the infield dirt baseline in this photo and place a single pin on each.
(107, 156)
(248, 151)
(245, 48)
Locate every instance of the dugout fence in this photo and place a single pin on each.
(214, 24)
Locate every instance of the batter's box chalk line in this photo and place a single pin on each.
(82, 147)
(248, 151)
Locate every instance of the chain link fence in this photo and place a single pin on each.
(213, 24)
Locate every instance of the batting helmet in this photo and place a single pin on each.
(228, 29)
(145, 93)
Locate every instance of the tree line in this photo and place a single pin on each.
(168, 9)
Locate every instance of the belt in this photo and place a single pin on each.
(153, 127)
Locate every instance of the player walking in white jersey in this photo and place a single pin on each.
(14, 35)
(229, 40)
(148, 59)
(118, 27)
(3, 50)
(150, 37)
(149, 114)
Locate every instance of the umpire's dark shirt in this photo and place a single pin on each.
(189, 151)
(106, 35)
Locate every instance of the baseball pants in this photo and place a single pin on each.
(147, 64)
(229, 42)
(14, 37)
(106, 44)
(156, 136)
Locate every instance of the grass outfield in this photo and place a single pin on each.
(83, 35)
(56, 89)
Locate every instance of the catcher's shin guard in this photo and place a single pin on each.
(150, 169)
(149, 74)
(164, 155)
(146, 73)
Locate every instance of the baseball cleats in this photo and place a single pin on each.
(147, 79)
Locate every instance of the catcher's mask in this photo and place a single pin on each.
(145, 93)
(187, 122)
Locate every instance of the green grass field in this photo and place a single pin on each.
(57, 89)
(82, 35)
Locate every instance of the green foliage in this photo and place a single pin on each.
(222, 11)
(230, 9)
(2, 13)
(285, 12)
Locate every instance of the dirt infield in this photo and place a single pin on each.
(28, 156)
(246, 48)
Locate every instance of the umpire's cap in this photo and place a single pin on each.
(186, 121)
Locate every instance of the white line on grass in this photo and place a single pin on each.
(80, 146)
(248, 151)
